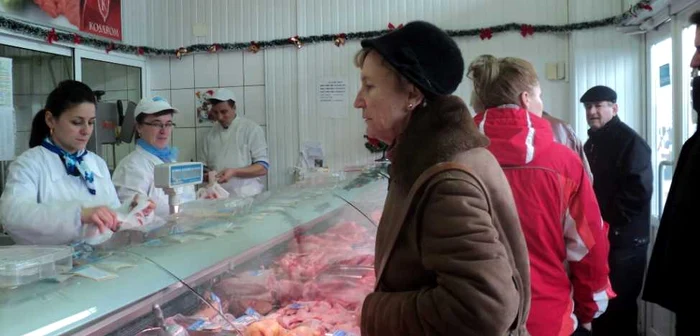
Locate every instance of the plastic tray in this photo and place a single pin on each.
(21, 265)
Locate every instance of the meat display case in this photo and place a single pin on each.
(182, 269)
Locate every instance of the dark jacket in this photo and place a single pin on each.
(621, 163)
(457, 264)
(668, 281)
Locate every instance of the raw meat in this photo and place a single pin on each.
(264, 328)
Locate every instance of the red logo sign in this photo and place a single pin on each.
(102, 17)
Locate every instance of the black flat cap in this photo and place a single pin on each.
(599, 93)
(424, 54)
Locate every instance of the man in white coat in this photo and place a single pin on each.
(235, 147)
(135, 173)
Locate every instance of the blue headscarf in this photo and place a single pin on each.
(167, 154)
(74, 163)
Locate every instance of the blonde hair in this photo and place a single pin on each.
(500, 81)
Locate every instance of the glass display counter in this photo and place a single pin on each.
(219, 268)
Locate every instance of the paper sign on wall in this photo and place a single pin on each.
(332, 97)
(7, 115)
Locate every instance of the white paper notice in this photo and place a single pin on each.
(7, 114)
(5, 82)
(7, 133)
(333, 97)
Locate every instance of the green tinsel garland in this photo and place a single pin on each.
(27, 29)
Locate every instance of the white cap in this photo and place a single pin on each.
(222, 95)
(153, 105)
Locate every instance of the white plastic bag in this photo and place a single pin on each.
(213, 190)
(130, 215)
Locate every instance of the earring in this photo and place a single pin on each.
(410, 106)
(51, 131)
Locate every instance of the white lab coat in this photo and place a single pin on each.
(241, 145)
(41, 203)
(135, 175)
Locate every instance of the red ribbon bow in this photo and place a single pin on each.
(526, 30)
(139, 51)
(110, 47)
(52, 36)
(486, 34)
(77, 39)
(392, 27)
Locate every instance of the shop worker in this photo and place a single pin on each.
(58, 192)
(135, 173)
(621, 164)
(235, 147)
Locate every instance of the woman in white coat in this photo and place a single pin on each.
(57, 192)
(135, 173)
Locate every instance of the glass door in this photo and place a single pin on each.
(658, 321)
(669, 50)
(37, 67)
(115, 79)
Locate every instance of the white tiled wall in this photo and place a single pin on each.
(34, 75)
(177, 80)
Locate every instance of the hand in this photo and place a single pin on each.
(225, 175)
(102, 217)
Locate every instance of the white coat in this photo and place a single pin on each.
(41, 203)
(240, 145)
(135, 175)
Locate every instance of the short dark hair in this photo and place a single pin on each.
(695, 18)
(216, 101)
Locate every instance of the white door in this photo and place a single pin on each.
(669, 51)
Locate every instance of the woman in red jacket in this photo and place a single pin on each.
(555, 200)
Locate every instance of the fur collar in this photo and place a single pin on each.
(435, 133)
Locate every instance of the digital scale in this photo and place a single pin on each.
(171, 176)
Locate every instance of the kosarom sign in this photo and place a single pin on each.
(98, 17)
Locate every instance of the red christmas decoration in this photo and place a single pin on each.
(214, 48)
(180, 52)
(295, 40)
(392, 27)
(526, 30)
(486, 34)
(139, 51)
(52, 36)
(645, 6)
(254, 47)
(340, 39)
(77, 39)
(110, 47)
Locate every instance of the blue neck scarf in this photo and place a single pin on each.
(167, 154)
(75, 166)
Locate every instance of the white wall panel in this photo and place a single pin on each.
(135, 25)
(291, 76)
(606, 57)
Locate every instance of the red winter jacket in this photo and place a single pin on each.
(560, 218)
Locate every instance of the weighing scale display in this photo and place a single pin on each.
(185, 174)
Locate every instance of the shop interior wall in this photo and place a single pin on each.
(278, 86)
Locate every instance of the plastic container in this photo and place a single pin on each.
(21, 265)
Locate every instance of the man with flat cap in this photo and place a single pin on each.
(621, 164)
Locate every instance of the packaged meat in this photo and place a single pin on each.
(130, 216)
(252, 289)
(265, 328)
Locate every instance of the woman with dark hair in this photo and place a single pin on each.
(450, 255)
(57, 192)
